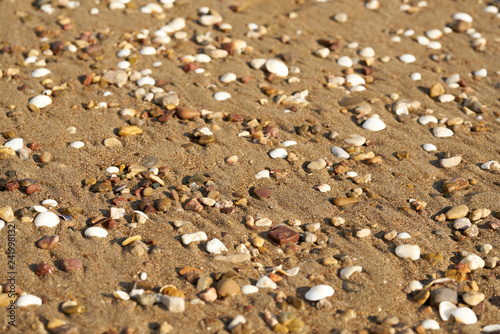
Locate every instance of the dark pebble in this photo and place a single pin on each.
(44, 268)
(48, 242)
(71, 264)
(284, 235)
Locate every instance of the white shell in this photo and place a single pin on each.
(474, 262)
(481, 73)
(445, 309)
(287, 143)
(266, 282)
(374, 124)
(426, 119)
(48, 219)
(408, 251)
(434, 33)
(236, 321)
(215, 246)
(442, 132)
(430, 324)
(202, 58)
(491, 328)
(123, 65)
(490, 164)
(16, 144)
(346, 272)
(434, 45)
(123, 53)
(49, 202)
(416, 76)
(146, 81)
(2, 224)
(319, 292)
(278, 153)
(339, 152)
(292, 272)
(193, 237)
(28, 300)
(39, 208)
(416, 285)
(148, 51)
(407, 58)
(77, 144)
(355, 140)
(464, 315)
(462, 17)
(491, 10)
(249, 289)
(176, 24)
(367, 52)
(122, 295)
(262, 174)
(322, 53)
(112, 170)
(351, 174)
(445, 98)
(96, 231)
(258, 63)
(277, 67)
(40, 72)
(227, 78)
(429, 147)
(355, 79)
(345, 61)
(221, 96)
(41, 101)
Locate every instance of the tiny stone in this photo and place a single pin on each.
(283, 235)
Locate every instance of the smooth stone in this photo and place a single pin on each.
(445, 310)
(227, 78)
(319, 292)
(429, 147)
(450, 162)
(345, 273)
(403, 235)
(40, 101)
(148, 51)
(147, 80)
(77, 144)
(287, 143)
(442, 132)
(355, 140)
(339, 152)
(462, 17)
(283, 235)
(28, 300)
(416, 76)
(457, 212)
(278, 153)
(48, 242)
(40, 72)
(174, 304)
(474, 262)
(258, 63)
(221, 96)
(462, 223)
(71, 264)
(473, 298)
(444, 295)
(482, 73)
(249, 289)
(445, 98)
(324, 188)
(203, 283)
(227, 287)
(7, 214)
(426, 119)
(355, 79)
(277, 67)
(367, 52)
(266, 282)
(193, 237)
(430, 324)
(345, 61)
(374, 124)
(48, 219)
(262, 174)
(215, 246)
(317, 165)
(491, 328)
(112, 170)
(408, 251)
(16, 144)
(464, 315)
(209, 296)
(407, 58)
(96, 231)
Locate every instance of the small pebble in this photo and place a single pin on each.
(408, 251)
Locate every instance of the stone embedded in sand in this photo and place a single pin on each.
(345, 61)
(283, 235)
(367, 52)
(261, 192)
(227, 78)
(44, 268)
(455, 184)
(7, 214)
(319, 292)
(491, 328)
(473, 298)
(262, 174)
(96, 231)
(355, 140)
(48, 219)
(147, 51)
(450, 162)
(209, 296)
(317, 165)
(174, 304)
(430, 324)
(221, 96)
(429, 147)
(407, 58)
(227, 287)
(118, 77)
(71, 264)
(408, 251)
(48, 242)
(436, 90)
(445, 98)
(77, 144)
(187, 113)
(249, 289)
(131, 130)
(462, 224)
(457, 212)
(474, 262)
(40, 72)
(341, 201)
(277, 67)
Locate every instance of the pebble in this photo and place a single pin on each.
(450, 162)
(131, 130)
(355, 79)
(49, 202)
(48, 242)
(215, 246)
(266, 282)
(44, 268)
(416, 76)
(147, 80)
(322, 53)
(174, 304)
(16, 144)
(262, 192)
(429, 147)
(324, 188)
(442, 132)
(40, 72)
(209, 296)
(345, 61)
(238, 320)
(227, 287)
(48, 219)
(283, 235)
(40, 101)
(462, 223)
(317, 165)
(407, 58)
(457, 212)
(482, 73)
(403, 235)
(278, 153)
(445, 310)
(319, 292)
(345, 273)
(193, 237)
(71, 264)
(262, 174)
(367, 52)
(473, 298)
(486, 248)
(187, 113)
(464, 315)
(430, 324)
(342, 17)
(277, 67)
(221, 96)
(7, 214)
(287, 143)
(408, 251)
(491, 328)
(28, 300)
(227, 78)
(77, 144)
(148, 51)
(444, 295)
(363, 233)
(445, 98)
(374, 124)
(462, 17)
(426, 119)
(249, 289)
(342, 201)
(339, 152)
(96, 231)
(474, 262)
(355, 140)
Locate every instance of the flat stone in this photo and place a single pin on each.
(48, 242)
(71, 264)
(450, 162)
(455, 184)
(444, 295)
(457, 212)
(261, 192)
(342, 201)
(283, 235)
(227, 287)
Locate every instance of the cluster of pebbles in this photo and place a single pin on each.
(228, 246)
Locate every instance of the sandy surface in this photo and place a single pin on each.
(374, 294)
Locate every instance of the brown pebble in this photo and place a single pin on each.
(48, 242)
(341, 201)
(262, 192)
(193, 205)
(227, 287)
(190, 67)
(187, 113)
(163, 204)
(11, 186)
(71, 264)
(32, 188)
(44, 268)
(436, 90)
(283, 235)
(455, 184)
(45, 157)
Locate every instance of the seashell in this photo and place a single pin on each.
(148, 51)
(16, 144)
(464, 315)
(28, 300)
(319, 292)
(77, 144)
(215, 246)
(277, 67)
(407, 58)
(429, 147)
(49, 202)
(278, 153)
(48, 219)
(287, 143)
(445, 310)
(346, 272)
(493, 165)
(221, 96)
(40, 101)
(430, 324)
(374, 124)
(262, 174)
(426, 119)
(249, 289)
(96, 231)
(227, 78)
(345, 61)
(266, 282)
(40, 72)
(367, 52)
(122, 295)
(442, 132)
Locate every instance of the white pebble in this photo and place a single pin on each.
(287, 143)
(96, 231)
(464, 315)
(429, 147)
(215, 246)
(16, 144)
(322, 53)
(277, 67)
(426, 119)
(319, 292)
(227, 78)
(491, 328)
(345, 61)
(324, 188)
(40, 72)
(49, 202)
(262, 174)
(202, 58)
(407, 58)
(266, 282)
(445, 98)
(258, 63)
(176, 24)
(278, 153)
(367, 52)
(434, 33)
(123, 65)
(339, 152)
(221, 96)
(123, 53)
(77, 144)
(39, 208)
(345, 273)
(147, 51)
(416, 76)
(193, 237)
(408, 251)
(434, 45)
(491, 9)
(146, 81)
(355, 79)
(422, 40)
(28, 300)
(48, 219)
(374, 124)
(462, 17)
(112, 170)
(416, 285)
(249, 289)
(474, 262)
(445, 310)
(41, 101)
(403, 235)
(351, 174)
(430, 324)
(442, 132)
(2, 224)
(482, 73)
